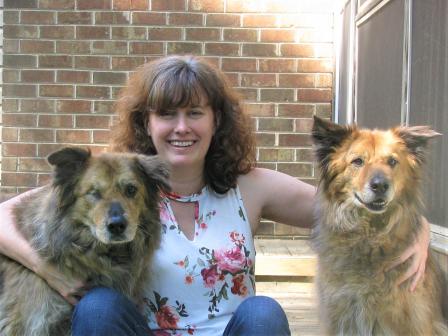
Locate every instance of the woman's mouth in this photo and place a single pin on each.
(185, 143)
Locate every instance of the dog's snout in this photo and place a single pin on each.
(116, 223)
(379, 184)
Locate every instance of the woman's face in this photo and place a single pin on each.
(182, 136)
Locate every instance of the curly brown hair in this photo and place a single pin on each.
(179, 81)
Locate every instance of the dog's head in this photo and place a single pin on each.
(370, 169)
(110, 194)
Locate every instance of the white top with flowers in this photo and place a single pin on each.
(196, 285)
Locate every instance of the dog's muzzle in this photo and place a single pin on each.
(116, 223)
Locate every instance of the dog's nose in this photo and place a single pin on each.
(116, 223)
(379, 184)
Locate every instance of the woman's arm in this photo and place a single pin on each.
(16, 247)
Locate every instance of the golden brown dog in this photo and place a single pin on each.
(97, 220)
(369, 212)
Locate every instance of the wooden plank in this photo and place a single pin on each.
(283, 266)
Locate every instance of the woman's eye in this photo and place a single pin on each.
(196, 113)
(130, 190)
(392, 162)
(358, 162)
(167, 113)
(94, 193)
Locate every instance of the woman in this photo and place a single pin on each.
(202, 278)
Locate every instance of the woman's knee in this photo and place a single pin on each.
(262, 306)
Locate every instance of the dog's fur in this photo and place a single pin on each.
(369, 212)
(98, 220)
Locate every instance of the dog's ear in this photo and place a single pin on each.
(157, 171)
(327, 136)
(68, 162)
(416, 139)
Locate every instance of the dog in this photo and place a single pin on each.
(369, 211)
(98, 220)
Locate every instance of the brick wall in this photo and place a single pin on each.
(65, 61)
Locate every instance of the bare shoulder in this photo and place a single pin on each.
(278, 196)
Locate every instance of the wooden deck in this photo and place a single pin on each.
(285, 271)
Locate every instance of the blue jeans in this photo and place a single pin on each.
(103, 311)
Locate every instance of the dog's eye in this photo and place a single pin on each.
(358, 162)
(130, 190)
(392, 162)
(95, 194)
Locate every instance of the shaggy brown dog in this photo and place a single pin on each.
(368, 213)
(99, 219)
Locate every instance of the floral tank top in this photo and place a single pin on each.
(196, 285)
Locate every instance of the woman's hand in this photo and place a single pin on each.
(419, 253)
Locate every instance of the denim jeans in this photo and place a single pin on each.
(105, 312)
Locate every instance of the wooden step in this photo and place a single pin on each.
(284, 257)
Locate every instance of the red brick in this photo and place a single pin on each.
(18, 32)
(93, 122)
(91, 62)
(57, 32)
(315, 95)
(73, 106)
(129, 33)
(324, 80)
(240, 35)
(222, 49)
(277, 35)
(296, 110)
(296, 169)
(314, 35)
(202, 34)
(206, 5)
(92, 91)
(259, 80)
(275, 124)
(10, 105)
(37, 105)
(93, 4)
(73, 136)
(278, 65)
(9, 134)
(164, 34)
(239, 64)
(146, 48)
(294, 140)
(43, 150)
(265, 139)
(56, 91)
(296, 80)
(303, 125)
(246, 6)
(184, 48)
(11, 46)
(37, 17)
(314, 65)
(92, 32)
(259, 49)
(104, 107)
(109, 78)
(19, 149)
(247, 94)
(110, 47)
(55, 61)
(36, 135)
(185, 19)
(148, 18)
(19, 61)
(259, 20)
(11, 75)
(19, 120)
(112, 18)
(260, 110)
(33, 165)
(57, 4)
(10, 17)
(55, 121)
(323, 110)
(36, 47)
(72, 76)
(305, 155)
(19, 179)
(275, 154)
(20, 90)
(37, 76)
(168, 5)
(223, 20)
(130, 4)
(307, 20)
(126, 63)
(297, 50)
(101, 137)
(277, 95)
(73, 47)
(74, 17)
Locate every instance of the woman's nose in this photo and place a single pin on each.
(182, 125)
